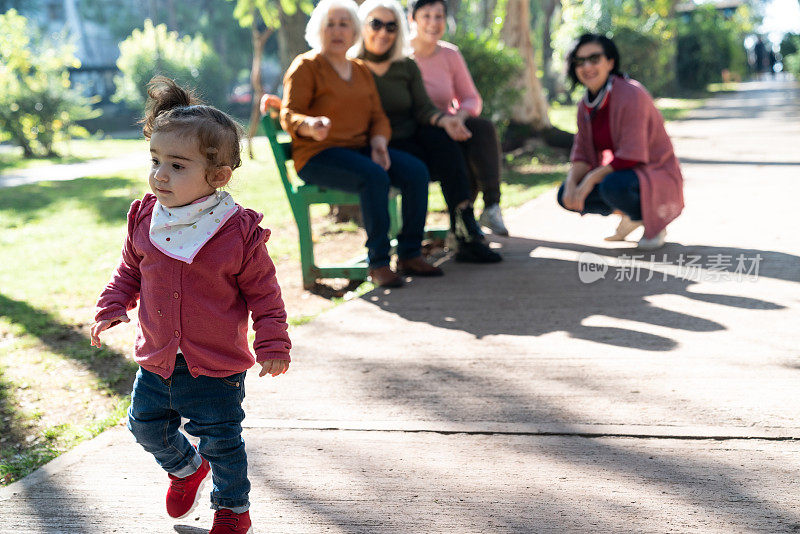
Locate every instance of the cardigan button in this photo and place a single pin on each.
(176, 295)
(195, 369)
(177, 334)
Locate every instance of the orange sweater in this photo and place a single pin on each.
(312, 88)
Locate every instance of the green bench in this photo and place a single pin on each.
(301, 196)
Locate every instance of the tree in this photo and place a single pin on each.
(38, 105)
(516, 33)
(263, 17)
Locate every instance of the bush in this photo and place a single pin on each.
(153, 50)
(709, 43)
(38, 105)
(646, 57)
(791, 63)
(493, 67)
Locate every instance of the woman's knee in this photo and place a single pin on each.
(481, 127)
(560, 197)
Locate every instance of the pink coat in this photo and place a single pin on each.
(200, 307)
(638, 134)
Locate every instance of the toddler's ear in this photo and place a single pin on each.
(221, 176)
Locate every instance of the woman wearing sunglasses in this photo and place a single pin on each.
(418, 127)
(452, 90)
(340, 136)
(622, 158)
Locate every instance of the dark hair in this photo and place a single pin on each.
(414, 5)
(170, 107)
(609, 50)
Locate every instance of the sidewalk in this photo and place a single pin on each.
(71, 171)
(516, 397)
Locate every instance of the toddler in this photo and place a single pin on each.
(196, 262)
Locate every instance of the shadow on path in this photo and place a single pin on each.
(532, 296)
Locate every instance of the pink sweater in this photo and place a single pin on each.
(638, 134)
(200, 307)
(448, 81)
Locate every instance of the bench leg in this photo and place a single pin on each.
(306, 239)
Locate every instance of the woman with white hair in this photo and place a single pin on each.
(418, 127)
(340, 138)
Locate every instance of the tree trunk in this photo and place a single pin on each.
(259, 39)
(549, 8)
(516, 33)
(487, 17)
(291, 35)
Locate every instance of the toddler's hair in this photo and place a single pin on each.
(170, 107)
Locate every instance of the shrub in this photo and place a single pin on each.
(646, 57)
(493, 67)
(153, 50)
(709, 43)
(38, 105)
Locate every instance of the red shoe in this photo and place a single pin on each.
(228, 522)
(184, 493)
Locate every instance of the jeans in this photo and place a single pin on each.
(354, 171)
(213, 407)
(619, 190)
(445, 161)
(482, 152)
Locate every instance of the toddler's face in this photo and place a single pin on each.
(178, 172)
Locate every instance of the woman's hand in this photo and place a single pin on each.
(99, 326)
(380, 152)
(455, 128)
(317, 128)
(273, 367)
(270, 104)
(574, 197)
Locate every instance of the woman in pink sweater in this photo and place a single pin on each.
(622, 158)
(451, 89)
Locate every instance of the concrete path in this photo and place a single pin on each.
(527, 396)
(71, 171)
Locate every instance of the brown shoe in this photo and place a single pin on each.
(418, 267)
(385, 277)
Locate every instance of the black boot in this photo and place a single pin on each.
(472, 246)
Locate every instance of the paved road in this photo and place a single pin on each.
(525, 397)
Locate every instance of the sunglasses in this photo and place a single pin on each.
(594, 59)
(377, 24)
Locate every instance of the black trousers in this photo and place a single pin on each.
(445, 161)
(482, 153)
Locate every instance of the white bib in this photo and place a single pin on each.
(181, 232)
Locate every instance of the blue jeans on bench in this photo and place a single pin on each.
(619, 190)
(354, 171)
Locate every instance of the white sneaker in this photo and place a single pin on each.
(625, 227)
(492, 218)
(653, 242)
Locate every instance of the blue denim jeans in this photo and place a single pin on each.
(213, 407)
(619, 190)
(354, 171)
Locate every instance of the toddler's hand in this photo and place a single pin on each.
(99, 326)
(273, 367)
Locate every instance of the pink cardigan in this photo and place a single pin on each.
(448, 81)
(200, 307)
(638, 134)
